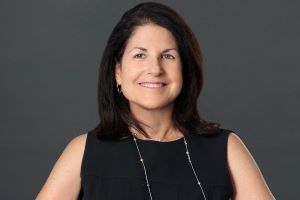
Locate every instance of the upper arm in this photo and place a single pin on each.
(247, 179)
(64, 180)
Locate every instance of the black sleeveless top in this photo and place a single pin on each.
(111, 170)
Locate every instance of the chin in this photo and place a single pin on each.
(152, 105)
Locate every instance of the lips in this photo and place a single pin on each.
(153, 85)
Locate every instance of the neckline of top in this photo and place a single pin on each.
(162, 142)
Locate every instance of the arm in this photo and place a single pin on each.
(248, 182)
(64, 180)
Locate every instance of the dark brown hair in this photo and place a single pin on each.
(114, 110)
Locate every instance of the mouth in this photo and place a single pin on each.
(153, 84)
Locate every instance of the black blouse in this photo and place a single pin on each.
(111, 170)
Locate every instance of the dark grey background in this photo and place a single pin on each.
(50, 52)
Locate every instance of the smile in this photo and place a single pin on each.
(152, 85)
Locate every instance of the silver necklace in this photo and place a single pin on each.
(189, 159)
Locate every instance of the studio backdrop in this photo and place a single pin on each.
(49, 59)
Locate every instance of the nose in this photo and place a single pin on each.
(155, 67)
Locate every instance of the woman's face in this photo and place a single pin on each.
(150, 69)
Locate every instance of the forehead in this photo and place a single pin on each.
(151, 35)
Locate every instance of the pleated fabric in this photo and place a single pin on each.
(111, 170)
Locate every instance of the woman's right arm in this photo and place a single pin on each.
(64, 180)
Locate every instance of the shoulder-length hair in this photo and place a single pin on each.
(114, 110)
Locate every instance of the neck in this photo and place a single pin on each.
(156, 123)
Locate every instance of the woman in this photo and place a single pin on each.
(151, 142)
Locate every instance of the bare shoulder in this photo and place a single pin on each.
(64, 181)
(235, 143)
(247, 179)
(78, 142)
(76, 147)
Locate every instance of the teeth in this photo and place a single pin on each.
(151, 85)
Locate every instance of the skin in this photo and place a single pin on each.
(153, 62)
(151, 55)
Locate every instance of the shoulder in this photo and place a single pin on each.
(71, 156)
(64, 177)
(76, 146)
(238, 152)
(78, 142)
(74, 150)
(235, 142)
(244, 171)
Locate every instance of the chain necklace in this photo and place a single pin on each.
(189, 159)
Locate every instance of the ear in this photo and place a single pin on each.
(118, 73)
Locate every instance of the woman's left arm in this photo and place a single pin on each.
(248, 182)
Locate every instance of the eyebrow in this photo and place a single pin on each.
(145, 50)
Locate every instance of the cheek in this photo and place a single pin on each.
(128, 70)
(130, 76)
(179, 83)
(175, 73)
(178, 78)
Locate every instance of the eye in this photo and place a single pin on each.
(168, 56)
(140, 55)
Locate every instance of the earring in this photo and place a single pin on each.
(119, 88)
